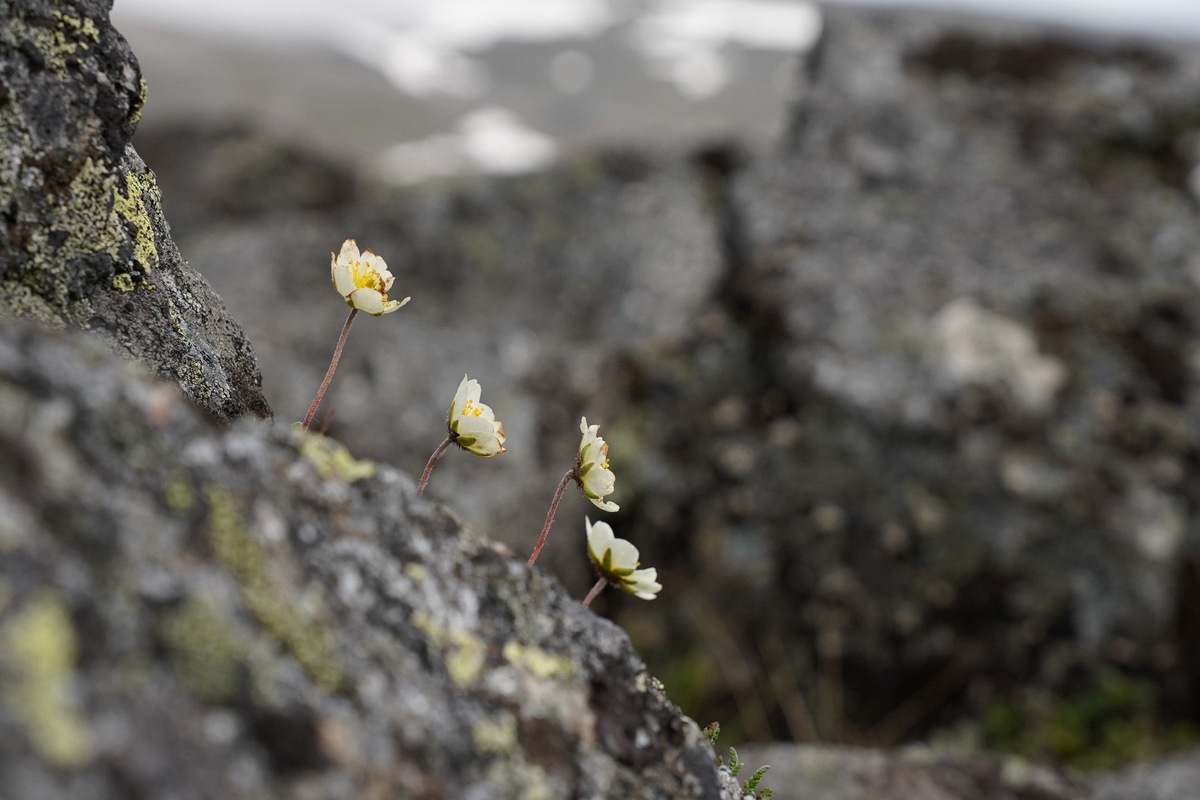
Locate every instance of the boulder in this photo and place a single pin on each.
(83, 241)
(196, 611)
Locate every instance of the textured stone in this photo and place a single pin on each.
(193, 611)
(82, 238)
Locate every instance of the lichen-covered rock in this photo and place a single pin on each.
(195, 612)
(82, 238)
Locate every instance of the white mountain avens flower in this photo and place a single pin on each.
(591, 471)
(472, 424)
(616, 561)
(363, 280)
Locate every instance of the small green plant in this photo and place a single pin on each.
(1111, 723)
(750, 785)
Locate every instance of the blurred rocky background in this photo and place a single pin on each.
(900, 383)
(902, 406)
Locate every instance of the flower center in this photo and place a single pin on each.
(471, 410)
(366, 277)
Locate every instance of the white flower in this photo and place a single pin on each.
(472, 424)
(363, 280)
(592, 472)
(616, 560)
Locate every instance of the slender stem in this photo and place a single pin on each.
(433, 459)
(558, 493)
(337, 356)
(596, 590)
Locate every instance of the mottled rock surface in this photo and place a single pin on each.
(192, 611)
(83, 241)
(914, 395)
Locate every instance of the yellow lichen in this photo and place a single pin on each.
(73, 34)
(497, 735)
(527, 781)
(40, 650)
(135, 113)
(465, 658)
(537, 661)
(206, 653)
(333, 460)
(130, 206)
(464, 654)
(122, 282)
(307, 640)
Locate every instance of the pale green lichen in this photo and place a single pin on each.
(42, 39)
(416, 572)
(332, 459)
(207, 654)
(311, 643)
(178, 492)
(523, 780)
(464, 654)
(537, 661)
(496, 735)
(39, 648)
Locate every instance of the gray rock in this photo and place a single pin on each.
(82, 240)
(1173, 778)
(849, 773)
(192, 611)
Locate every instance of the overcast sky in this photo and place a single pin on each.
(314, 19)
(459, 100)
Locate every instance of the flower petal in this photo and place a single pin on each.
(604, 505)
(369, 301)
(625, 555)
(600, 536)
(343, 277)
(460, 399)
(349, 252)
(644, 584)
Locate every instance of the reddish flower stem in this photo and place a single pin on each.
(596, 590)
(433, 459)
(337, 356)
(558, 493)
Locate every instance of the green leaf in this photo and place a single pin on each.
(735, 766)
(752, 784)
